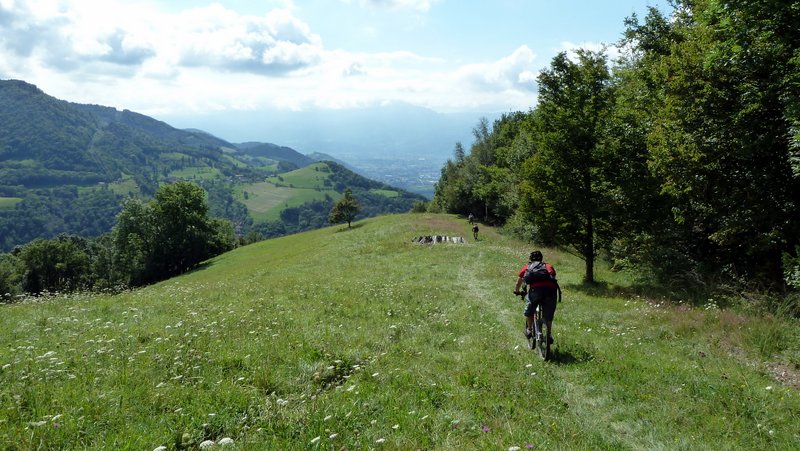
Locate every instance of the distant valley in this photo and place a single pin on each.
(66, 168)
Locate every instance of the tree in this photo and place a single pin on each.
(170, 235)
(58, 265)
(726, 78)
(563, 179)
(345, 210)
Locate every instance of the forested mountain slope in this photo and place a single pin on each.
(66, 167)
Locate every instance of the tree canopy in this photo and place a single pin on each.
(681, 158)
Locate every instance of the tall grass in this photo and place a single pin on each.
(359, 339)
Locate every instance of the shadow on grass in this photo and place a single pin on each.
(607, 290)
(352, 227)
(569, 356)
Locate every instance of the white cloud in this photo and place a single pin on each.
(514, 72)
(416, 5)
(138, 57)
(571, 48)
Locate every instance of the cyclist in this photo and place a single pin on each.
(542, 292)
(475, 231)
(471, 218)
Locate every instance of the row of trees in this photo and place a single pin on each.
(151, 241)
(683, 156)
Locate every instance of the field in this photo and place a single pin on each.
(9, 202)
(390, 345)
(311, 177)
(196, 173)
(265, 200)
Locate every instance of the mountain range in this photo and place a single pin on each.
(66, 167)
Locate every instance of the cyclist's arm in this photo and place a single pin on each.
(519, 283)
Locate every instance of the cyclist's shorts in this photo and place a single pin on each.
(546, 296)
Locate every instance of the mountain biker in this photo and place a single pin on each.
(475, 231)
(541, 292)
(471, 218)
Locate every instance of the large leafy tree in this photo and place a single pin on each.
(725, 76)
(170, 235)
(563, 187)
(346, 209)
(62, 264)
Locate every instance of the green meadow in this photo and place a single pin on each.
(312, 176)
(358, 339)
(9, 202)
(265, 200)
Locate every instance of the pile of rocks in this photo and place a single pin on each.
(433, 239)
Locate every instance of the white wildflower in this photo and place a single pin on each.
(327, 418)
(396, 426)
(225, 441)
(207, 444)
(333, 436)
(513, 448)
(315, 439)
(380, 440)
(769, 387)
(160, 448)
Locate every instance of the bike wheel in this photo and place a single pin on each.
(532, 338)
(544, 344)
(541, 339)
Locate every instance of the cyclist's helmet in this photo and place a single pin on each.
(536, 256)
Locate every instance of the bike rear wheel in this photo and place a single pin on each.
(542, 336)
(532, 338)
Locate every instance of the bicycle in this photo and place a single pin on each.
(538, 340)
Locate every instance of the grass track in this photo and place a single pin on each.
(358, 338)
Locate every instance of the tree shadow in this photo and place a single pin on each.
(606, 290)
(352, 227)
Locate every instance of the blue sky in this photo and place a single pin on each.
(195, 56)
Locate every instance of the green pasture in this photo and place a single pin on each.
(196, 173)
(9, 202)
(398, 346)
(125, 186)
(311, 176)
(266, 200)
(385, 192)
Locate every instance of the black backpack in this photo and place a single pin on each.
(536, 272)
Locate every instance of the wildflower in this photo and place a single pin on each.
(513, 448)
(207, 444)
(225, 441)
(333, 436)
(160, 448)
(380, 440)
(396, 426)
(769, 387)
(315, 439)
(327, 418)
(485, 428)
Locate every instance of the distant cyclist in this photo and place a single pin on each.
(542, 290)
(475, 231)
(471, 218)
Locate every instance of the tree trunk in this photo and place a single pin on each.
(588, 250)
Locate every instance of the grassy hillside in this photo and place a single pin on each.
(359, 339)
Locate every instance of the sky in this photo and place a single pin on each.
(198, 56)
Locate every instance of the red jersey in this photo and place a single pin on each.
(542, 283)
